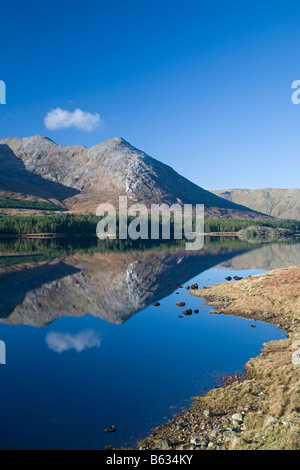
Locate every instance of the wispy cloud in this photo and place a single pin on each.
(59, 118)
(62, 342)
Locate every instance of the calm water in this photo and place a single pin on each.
(87, 350)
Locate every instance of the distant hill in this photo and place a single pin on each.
(281, 203)
(78, 179)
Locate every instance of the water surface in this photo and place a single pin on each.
(86, 349)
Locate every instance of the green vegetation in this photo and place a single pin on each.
(68, 224)
(8, 203)
(72, 224)
(234, 225)
(265, 234)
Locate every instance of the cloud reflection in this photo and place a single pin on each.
(62, 342)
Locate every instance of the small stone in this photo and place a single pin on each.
(215, 432)
(188, 312)
(229, 435)
(180, 304)
(162, 444)
(111, 429)
(238, 418)
(196, 311)
(195, 440)
(194, 286)
(207, 413)
(296, 358)
(270, 420)
(296, 345)
(156, 304)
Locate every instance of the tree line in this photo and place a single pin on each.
(9, 203)
(73, 224)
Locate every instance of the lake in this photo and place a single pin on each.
(86, 348)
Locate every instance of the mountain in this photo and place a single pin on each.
(79, 179)
(279, 203)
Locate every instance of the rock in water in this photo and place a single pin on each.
(188, 312)
(111, 429)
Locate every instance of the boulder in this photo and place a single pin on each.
(296, 358)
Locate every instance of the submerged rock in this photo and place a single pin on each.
(111, 429)
(188, 312)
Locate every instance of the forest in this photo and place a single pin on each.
(74, 224)
(9, 203)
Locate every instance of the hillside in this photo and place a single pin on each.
(78, 179)
(281, 203)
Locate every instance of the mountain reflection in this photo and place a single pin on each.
(111, 285)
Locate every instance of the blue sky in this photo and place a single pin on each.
(202, 86)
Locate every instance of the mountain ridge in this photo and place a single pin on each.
(279, 203)
(79, 178)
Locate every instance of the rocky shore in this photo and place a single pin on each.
(259, 410)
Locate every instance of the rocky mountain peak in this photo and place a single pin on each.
(82, 178)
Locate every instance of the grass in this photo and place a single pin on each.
(9, 203)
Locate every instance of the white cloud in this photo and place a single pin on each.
(62, 342)
(62, 119)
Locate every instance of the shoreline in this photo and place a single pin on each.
(259, 410)
(80, 235)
